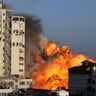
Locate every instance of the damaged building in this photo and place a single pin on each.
(82, 79)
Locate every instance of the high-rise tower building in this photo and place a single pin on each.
(5, 41)
(12, 51)
(18, 46)
(12, 43)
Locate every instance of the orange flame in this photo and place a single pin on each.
(51, 48)
(53, 72)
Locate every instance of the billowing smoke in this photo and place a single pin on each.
(35, 42)
(33, 30)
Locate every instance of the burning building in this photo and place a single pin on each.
(49, 64)
(82, 79)
(51, 69)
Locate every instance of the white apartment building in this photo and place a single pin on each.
(18, 46)
(5, 41)
(12, 43)
(12, 51)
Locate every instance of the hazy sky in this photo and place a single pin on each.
(70, 22)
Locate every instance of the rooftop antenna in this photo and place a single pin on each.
(2, 4)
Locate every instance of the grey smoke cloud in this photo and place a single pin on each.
(33, 30)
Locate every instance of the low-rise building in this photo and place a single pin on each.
(82, 79)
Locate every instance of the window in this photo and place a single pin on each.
(15, 31)
(10, 44)
(3, 39)
(11, 83)
(21, 32)
(15, 19)
(17, 44)
(21, 58)
(3, 61)
(22, 19)
(3, 54)
(29, 83)
(3, 14)
(0, 38)
(3, 33)
(20, 25)
(20, 44)
(13, 43)
(3, 21)
(3, 73)
(3, 48)
(22, 83)
(9, 31)
(20, 51)
(20, 63)
(21, 70)
(10, 25)
(23, 46)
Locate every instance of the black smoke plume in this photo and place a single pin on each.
(33, 29)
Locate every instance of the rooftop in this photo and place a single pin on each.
(86, 68)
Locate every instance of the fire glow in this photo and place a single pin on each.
(51, 70)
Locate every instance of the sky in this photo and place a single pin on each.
(69, 22)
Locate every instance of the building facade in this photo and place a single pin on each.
(82, 79)
(18, 46)
(5, 41)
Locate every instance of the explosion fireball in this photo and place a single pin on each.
(51, 70)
